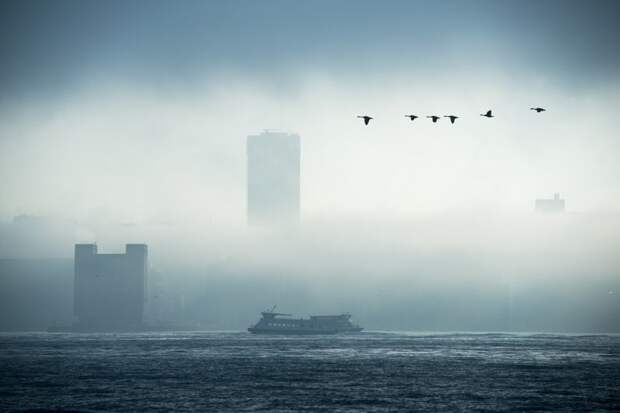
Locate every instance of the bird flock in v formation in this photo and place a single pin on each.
(435, 118)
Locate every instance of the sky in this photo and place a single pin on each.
(126, 121)
(139, 110)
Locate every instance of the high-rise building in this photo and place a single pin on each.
(273, 169)
(555, 204)
(109, 289)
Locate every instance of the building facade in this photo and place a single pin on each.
(110, 289)
(273, 178)
(553, 205)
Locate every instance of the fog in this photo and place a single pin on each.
(485, 272)
(408, 226)
(140, 155)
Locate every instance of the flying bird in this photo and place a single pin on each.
(412, 117)
(489, 114)
(366, 119)
(434, 118)
(452, 118)
(538, 110)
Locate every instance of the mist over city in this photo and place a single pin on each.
(184, 166)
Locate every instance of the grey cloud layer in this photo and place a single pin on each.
(50, 47)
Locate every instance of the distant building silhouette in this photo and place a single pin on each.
(273, 170)
(109, 289)
(554, 204)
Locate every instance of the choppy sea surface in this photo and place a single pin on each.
(376, 372)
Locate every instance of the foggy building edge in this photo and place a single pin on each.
(109, 289)
(273, 175)
(553, 205)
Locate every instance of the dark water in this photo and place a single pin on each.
(366, 372)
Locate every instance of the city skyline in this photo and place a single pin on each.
(144, 137)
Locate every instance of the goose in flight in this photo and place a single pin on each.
(452, 118)
(489, 114)
(412, 117)
(538, 110)
(366, 119)
(434, 118)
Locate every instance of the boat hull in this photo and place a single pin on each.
(301, 331)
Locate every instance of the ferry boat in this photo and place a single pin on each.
(281, 323)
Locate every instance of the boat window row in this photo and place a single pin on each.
(281, 325)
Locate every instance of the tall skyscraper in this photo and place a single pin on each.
(109, 289)
(273, 169)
